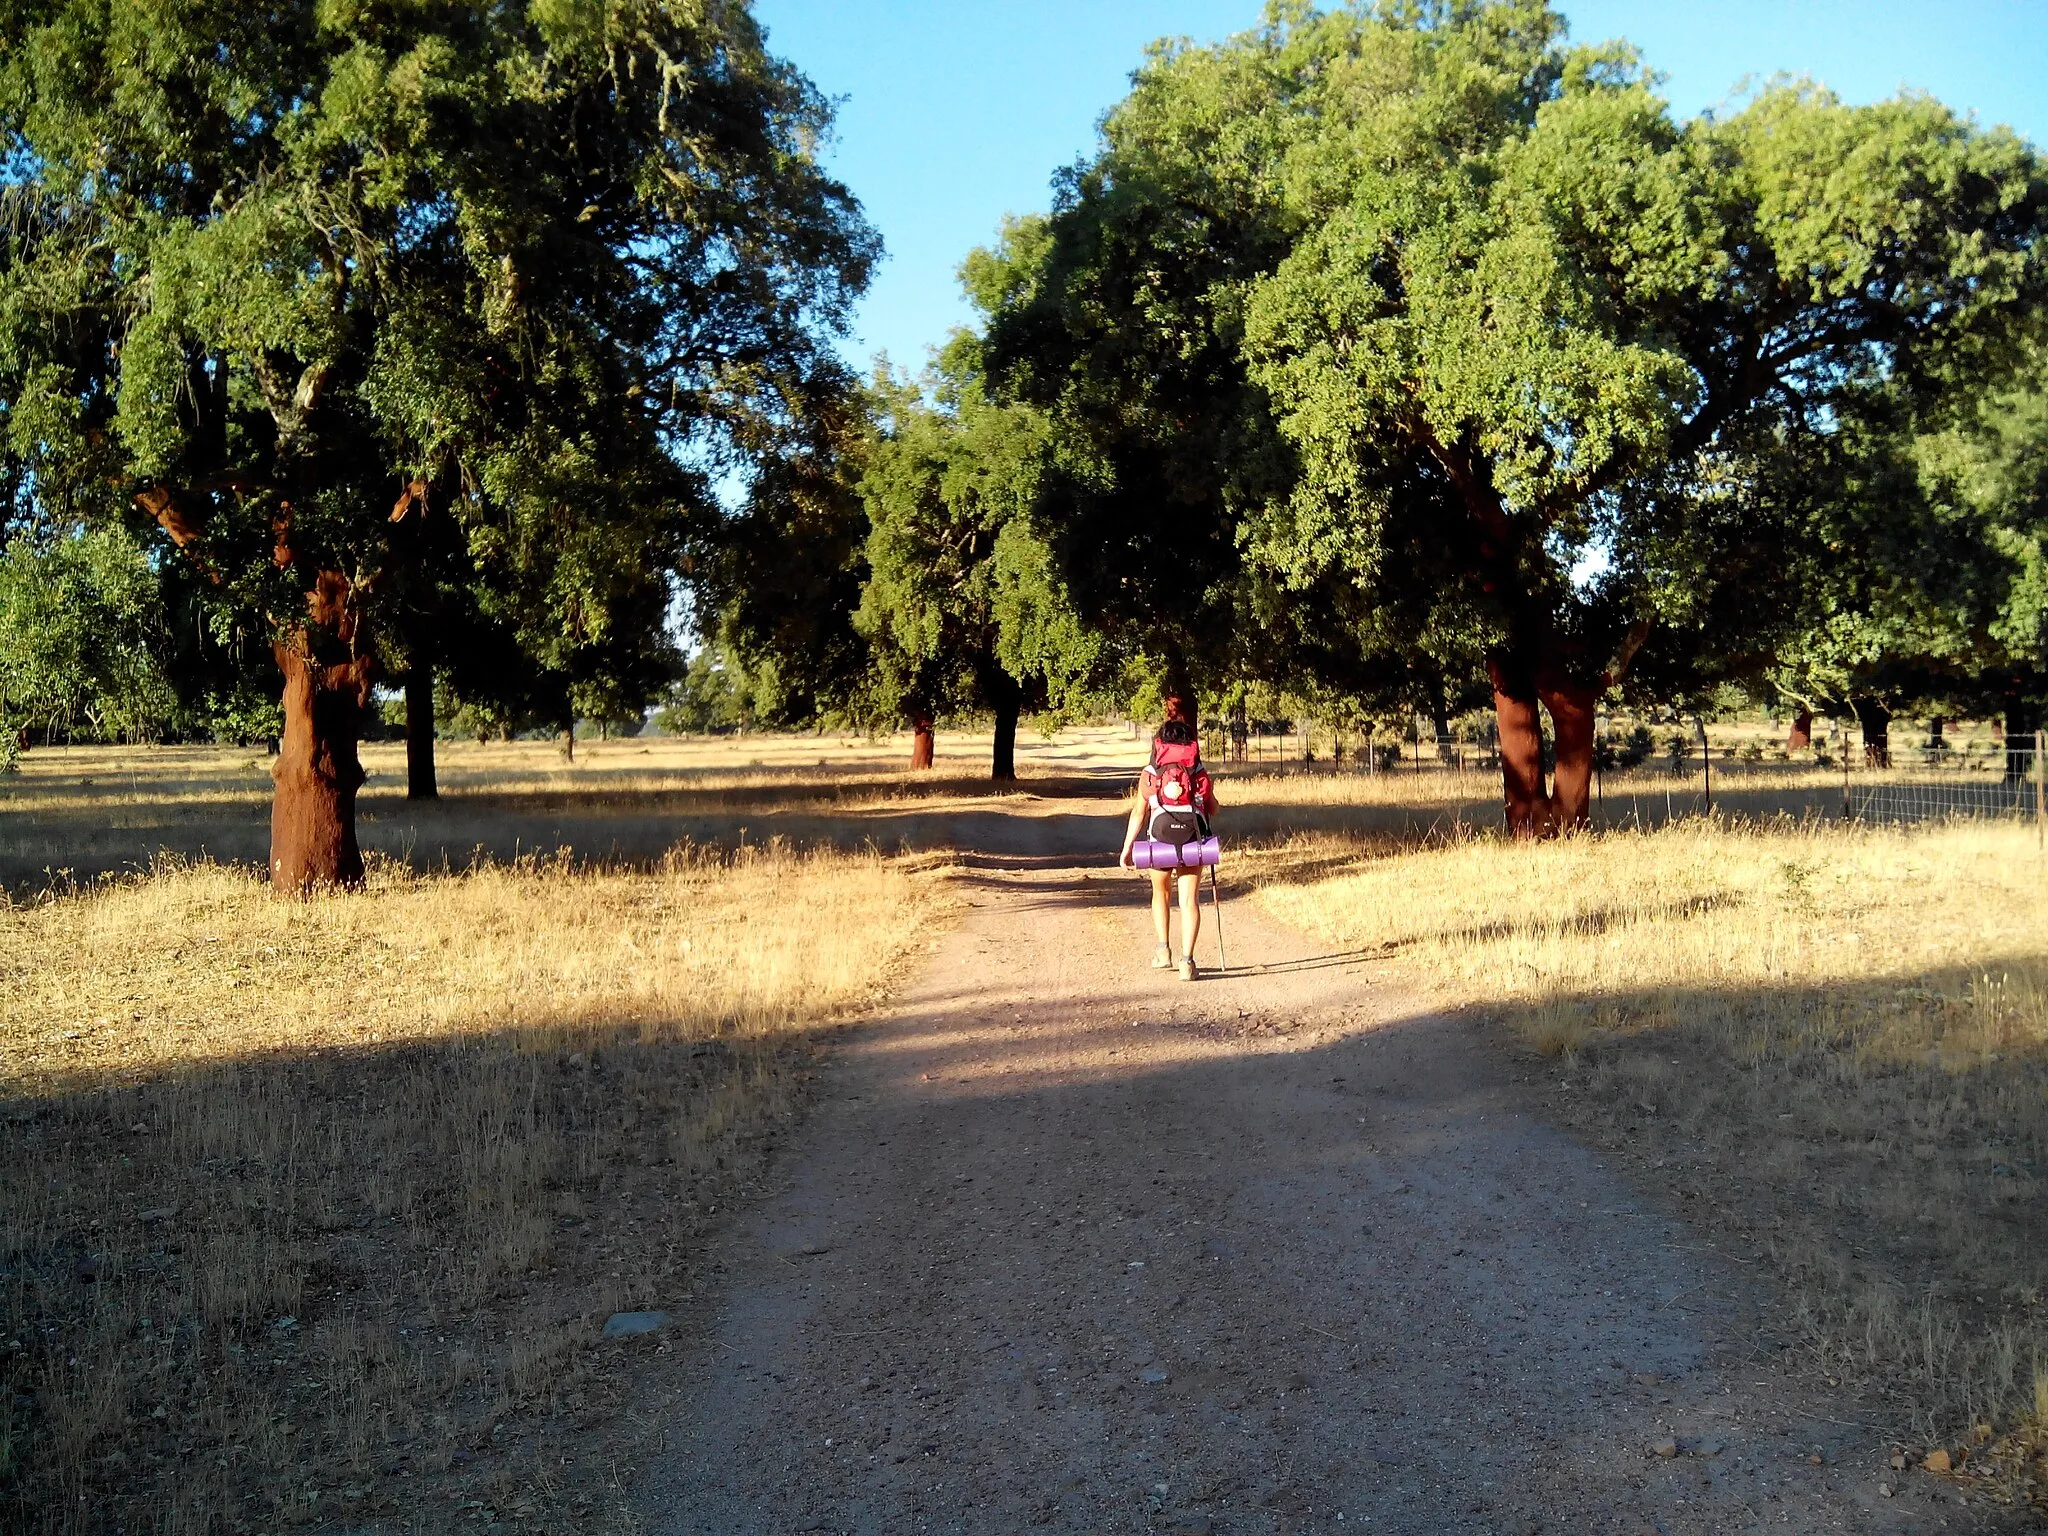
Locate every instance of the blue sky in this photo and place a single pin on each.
(955, 112)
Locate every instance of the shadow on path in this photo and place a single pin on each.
(1068, 1245)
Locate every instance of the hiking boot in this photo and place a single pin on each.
(1162, 959)
(1188, 969)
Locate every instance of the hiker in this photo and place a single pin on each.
(1175, 803)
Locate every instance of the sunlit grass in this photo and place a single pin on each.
(296, 1193)
(1841, 1032)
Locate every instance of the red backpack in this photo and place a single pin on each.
(1179, 801)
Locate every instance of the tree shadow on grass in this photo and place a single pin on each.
(1385, 1217)
(1880, 1145)
(252, 1290)
(627, 829)
(384, 1269)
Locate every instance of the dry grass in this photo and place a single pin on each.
(91, 811)
(1271, 803)
(1829, 1044)
(312, 1212)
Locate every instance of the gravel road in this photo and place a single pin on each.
(1068, 1244)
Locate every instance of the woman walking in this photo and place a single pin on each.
(1175, 800)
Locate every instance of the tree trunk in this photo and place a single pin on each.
(569, 741)
(1440, 717)
(2019, 743)
(419, 733)
(1521, 753)
(1800, 737)
(1876, 722)
(1005, 696)
(1573, 709)
(921, 740)
(1004, 764)
(313, 812)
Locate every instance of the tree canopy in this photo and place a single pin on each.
(411, 327)
(961, 606)
(1416, 331)
(1932, 594)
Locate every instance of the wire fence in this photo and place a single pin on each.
(1301, 746)
(2017, 793)
(2002, 780)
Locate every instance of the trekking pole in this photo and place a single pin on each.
(1216, 901)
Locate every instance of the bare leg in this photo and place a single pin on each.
(1162, 902)
(1190, 911)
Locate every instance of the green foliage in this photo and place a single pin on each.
(961, 609)
(1631, 751)
(467, 305)
(82, 641)
(243, 714)
(775, 586)
(712, 695)
(1934, 594)
(1410, 334)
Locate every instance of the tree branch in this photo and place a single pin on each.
(1625, 653)
(414, 495)
(291, 404)
(164, 505)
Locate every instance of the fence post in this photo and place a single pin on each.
(1706, 762)
(2041, 790)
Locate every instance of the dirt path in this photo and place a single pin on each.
(1069, 1245)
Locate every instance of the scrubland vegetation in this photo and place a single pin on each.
(1827, 1046)
(315, 1211)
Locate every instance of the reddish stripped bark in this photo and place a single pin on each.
(318, 770)
(1572, 707)
(1800, 737)
(921, 740)
(1570, 690)
(1521, 752)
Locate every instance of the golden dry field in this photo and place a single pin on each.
(305, 1204)
(87, 811)
(1828, 1046)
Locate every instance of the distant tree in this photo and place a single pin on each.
(83, 642)
(1932, 593)
(1465, 346)
(1992, 468)
(404, 325)
(776, 582)
(710, 696)
(961, 607)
